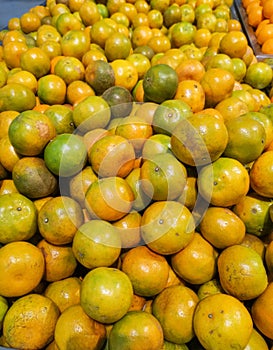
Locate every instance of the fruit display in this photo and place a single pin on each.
(136, 167)
(256, 18)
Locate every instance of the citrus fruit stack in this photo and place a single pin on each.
(136, 160)
(260, 17)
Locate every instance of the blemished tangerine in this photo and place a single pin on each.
(214, 311)
(35, 316)
(174, 308)
(241, 272)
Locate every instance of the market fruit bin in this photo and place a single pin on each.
(241, 14)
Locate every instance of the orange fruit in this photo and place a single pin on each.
(254, 242)
(64, 293)
(220, 60)
(255, 16)
(174, 308)
(256, 341)
(160, 83)
(218, 84)
(245, 96)
(12, 52)
(91, 113)
(239, 68)
(79, 184)
(196, 263)
(89, 13)
(261, 311)
(232, 107)
(25, 78)
(32, 178)
(65, 155)
(172, 15)
(36, 61)
(60, 261)
(69, 69)
(100, 288)
(134, 329)
(18, 218)
(75, 43)
(267, 9)
(47, 32)
(190, 69)
(21, 258)
(191, 92)
(182, 33)
(62, 118)
(121, 19)
(120, 99)
(222, 227)
(77, 91)
(8, 156)
(51, 89)
(6, 118)
(209, 288)
(129, 229)
(147, 271)
(190, 194)
(242, 273)
(204, 129)
(136, 130)
(100, 76)
(112, 155)
(264, 33)
(166, 234)
(109, 198)
(94, 135)
(141, 62)
(254, 211)
(163, 177)
(156, 144)
(267, 47)
(7, 186)
(16, 97)
(155, 18)
(67, 21)
(217, 319)
(96, 243)
(30, 322)
(75, 328)
(224, 182)
(260, 174)
(258, 75)
(29, 22)
(59, 219)
(126, 74)
(141, 199)
(245, 134)
(30, 132)
(168, 115)
(92, 55)
(117, 46)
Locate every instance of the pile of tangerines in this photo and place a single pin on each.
(260, 17)
(136, 167)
